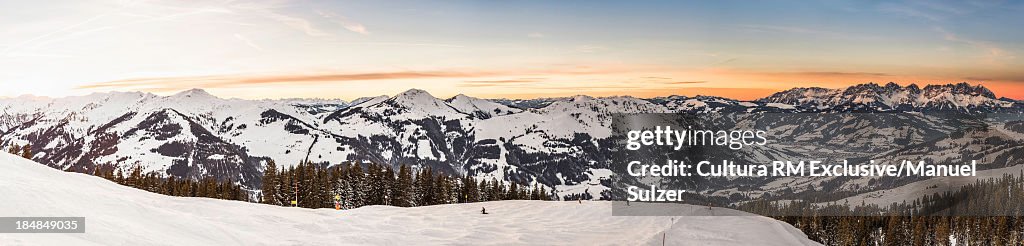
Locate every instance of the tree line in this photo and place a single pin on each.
(25, 151)
(313, 185)
(986, 212)
(157, 183)
(317, 185)
(170, 185)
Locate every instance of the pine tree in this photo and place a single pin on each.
(286, 189)
(308, 195)
(14, 150)
(374, 185)
(424, 187)
(169, 186)
(513, 191)
(998, 225)
(323, 185)
(357, 190)
(470, 190)
(188, 188)
(442, 190)
(97, 171)
(497, 190)
(390, 180)
(302, 182)
(403, 196)
(544, 194)
(119, 177)
(942, 231)
(919, 233)
(211, 187)
(482, 187)
(535, 192)
(270, 184)
(26, 151)
(133, 179)
(342, 185)
(200, 189)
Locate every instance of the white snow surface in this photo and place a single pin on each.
(467, 104)
(119, 215)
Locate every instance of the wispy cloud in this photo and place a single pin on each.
(463, 78)
(788, 77)
(589, 48)
(993, 52)
(585, 88)
(500, 82)
(272, 10)
(248, 42)
(404, 44)
(801, 30)
(297, 23)
(841, 74)
(724, 62)
(670, 81)
(87, 27)
(685, 82)
(536, 35)
(34, 42)
(935, 11)
(909, 11)
(219, 81)
(1015, 77)
(344, 22)
(941, 7)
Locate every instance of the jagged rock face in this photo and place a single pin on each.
(893, 97)
(561, 143)
(528, 103)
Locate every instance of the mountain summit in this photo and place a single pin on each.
(193, 93)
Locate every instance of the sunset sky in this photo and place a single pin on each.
(514, 49)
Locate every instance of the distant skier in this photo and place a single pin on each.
(483, 210)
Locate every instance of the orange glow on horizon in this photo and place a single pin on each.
(728, 83)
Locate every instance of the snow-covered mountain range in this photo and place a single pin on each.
(888, 97)
(561, 143)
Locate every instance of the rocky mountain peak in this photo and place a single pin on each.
(962, 88)
(890, 96)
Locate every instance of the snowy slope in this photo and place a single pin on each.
(480, 108)
(118, 215)
(189, 134)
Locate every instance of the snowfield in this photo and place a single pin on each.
(119, 215)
